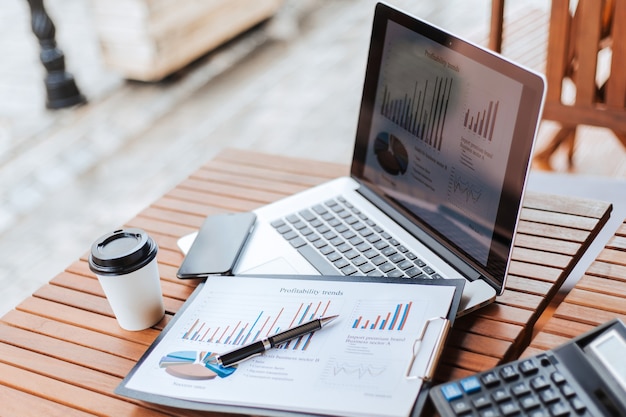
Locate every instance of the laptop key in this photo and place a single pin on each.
(317, 223)
(307, 215)
(404, 265)
(326, 249)
(363, 247)
(370, 253)
(378, 260)
(283, 229)
(373, 238)
(348, 270)
(341, 263)
(359, 260)
(395, 273)
(297, 242)
(333, 256)
(299, 225)
(319, 243)
(396, 258)
(290, 235)
(413, 272)
(428, 270)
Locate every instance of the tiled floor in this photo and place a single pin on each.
(290, 87)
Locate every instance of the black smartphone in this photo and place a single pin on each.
(217, 245)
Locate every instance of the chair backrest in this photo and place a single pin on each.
(576, 40)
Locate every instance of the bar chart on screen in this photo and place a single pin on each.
(421, 110)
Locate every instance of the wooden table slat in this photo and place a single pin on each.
(323, 170)
(540, 257)
(558, 219)
(80, 355)
(566, 204)
(19, 403)
(611, 255)
(73, 334)
(85, 319)
(548, 245)
(601, 285)
(69, 394)
(605, 269)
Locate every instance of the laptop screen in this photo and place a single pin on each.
(445, 136)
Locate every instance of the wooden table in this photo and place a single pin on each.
(595, 299)
(62, 352)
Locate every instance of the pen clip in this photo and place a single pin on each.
(434, 354)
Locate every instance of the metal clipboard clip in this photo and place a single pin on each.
(434, 354)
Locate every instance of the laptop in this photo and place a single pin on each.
(443, 146)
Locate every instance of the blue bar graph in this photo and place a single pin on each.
(262, 324)
(394, 319)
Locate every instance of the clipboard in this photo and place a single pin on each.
(418, 366)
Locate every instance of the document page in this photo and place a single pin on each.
(368, 361)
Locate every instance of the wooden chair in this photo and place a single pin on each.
(576, 39)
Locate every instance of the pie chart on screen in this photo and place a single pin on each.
(391, 154)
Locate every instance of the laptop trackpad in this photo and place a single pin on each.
(277, 266)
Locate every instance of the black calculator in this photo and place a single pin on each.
(584, 377)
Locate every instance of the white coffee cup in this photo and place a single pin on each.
(126, 266)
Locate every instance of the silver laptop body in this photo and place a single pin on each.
(442, 152)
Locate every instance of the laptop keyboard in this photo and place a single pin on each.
(336, 236)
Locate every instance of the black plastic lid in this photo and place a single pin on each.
(121, 252)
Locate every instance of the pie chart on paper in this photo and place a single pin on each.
(194, 365)
(391, 154)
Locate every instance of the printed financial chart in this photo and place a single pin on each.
(374, 327)
(365, 328)
(237, 324)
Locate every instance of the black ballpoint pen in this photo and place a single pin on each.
(256, 348)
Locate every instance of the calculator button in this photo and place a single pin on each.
(529, 402)
(509, 373)
(528, 367)
(567, 390)
(451, 391)
(490, 379)
(470, 384)
(500, 395)
(540, 382)
(538, 413)
(559, 410)
(460, 407)
(489, 412)
(509, 408)
(481, 401)
(557, 378)
(549, 395)
(520, 388)
(578, 405)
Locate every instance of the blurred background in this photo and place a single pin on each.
(287, 83)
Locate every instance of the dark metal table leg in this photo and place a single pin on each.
(61, 88)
